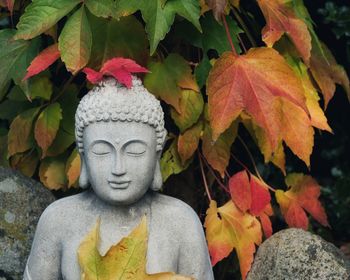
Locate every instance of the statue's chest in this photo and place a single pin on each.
(162, 253)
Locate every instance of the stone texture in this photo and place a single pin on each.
(22, 200)
(295, 254)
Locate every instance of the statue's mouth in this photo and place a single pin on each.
(118, 184)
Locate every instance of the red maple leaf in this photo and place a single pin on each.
(120, 68)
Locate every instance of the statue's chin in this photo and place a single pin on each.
(120, 198)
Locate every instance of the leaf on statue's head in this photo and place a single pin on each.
(120, 68)
(125, 260)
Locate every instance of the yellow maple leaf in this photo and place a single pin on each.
(125, 260)
(228, 228)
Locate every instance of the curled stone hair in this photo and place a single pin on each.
(111, 101)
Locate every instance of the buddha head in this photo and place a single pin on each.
(120, 136)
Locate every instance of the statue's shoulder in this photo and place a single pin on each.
(177, 212)
(64, 207)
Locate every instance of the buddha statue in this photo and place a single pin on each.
(120, 135)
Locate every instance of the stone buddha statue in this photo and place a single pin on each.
(120, 135)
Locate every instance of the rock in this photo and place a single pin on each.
(22, 200)
(294, 254)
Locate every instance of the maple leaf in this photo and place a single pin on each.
(327, 72)
(302, 196)
(43, 61)
(120, 68)
(280, 19)
(252, 83)
(125, 260)
(228, 228)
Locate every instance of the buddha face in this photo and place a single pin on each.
(120, 159)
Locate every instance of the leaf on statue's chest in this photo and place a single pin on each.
(125, 260)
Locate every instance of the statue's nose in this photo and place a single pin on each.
(118, 167)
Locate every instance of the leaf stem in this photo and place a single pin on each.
(213, 172)
(244, 26)
(229, 38)
(204, 178)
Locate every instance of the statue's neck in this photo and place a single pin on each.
(131, 211)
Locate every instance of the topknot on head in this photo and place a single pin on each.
(111, 101)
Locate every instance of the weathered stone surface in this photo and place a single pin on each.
(295, 254)
(22, 200)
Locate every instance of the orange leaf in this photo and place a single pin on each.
(187, 143)
(265, 220)
(228, 228)
(327, 72)
(280, 19)
(43, 61)
(259, 83)
(302, 196)
(73, 168)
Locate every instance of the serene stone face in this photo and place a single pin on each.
(120, 159)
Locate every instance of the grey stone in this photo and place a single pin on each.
(120, 135)
(22, 200)
(295, 254)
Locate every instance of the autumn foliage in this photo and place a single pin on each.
(215, 78)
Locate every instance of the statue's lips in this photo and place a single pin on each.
(118, 184)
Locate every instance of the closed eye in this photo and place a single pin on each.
(135, 149)
(101, 148)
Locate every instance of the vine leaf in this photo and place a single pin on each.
(47, 125)
(73, 168)
(249, 193)
(302, 195)
(52, 173)
(263, 85)
(280, 19)
(43, 61)
(166, 79)
(188, 141)
(20, 134)
(75, 41)
(101, 8)
(218, 7)
(228, 228)
(125, 260)
(120, 68)
(327, 72)
(41, 15)
(218, 153)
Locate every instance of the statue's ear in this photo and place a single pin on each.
(83, 179)
(157, 182)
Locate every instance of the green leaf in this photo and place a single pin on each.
(101, 8)
(69, 103)
(127, 7)
(202, 71)
(52, 173)
(10, 109)
(20, 138)
(47, 125)
(218, 153)
(41, 15)
(75, 41)
(166, 79)
(41, 87)
(170, 163)
(191, 107)
(16, 94)
(61, 143)
(214, 34)
(108, 38)
(159, 19)
(15, 57)
(188, 141)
